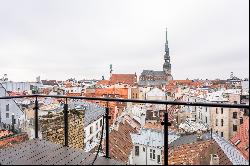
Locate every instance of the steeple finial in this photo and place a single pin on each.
(166, 34)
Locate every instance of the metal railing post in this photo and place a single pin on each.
(13, 122)
(36, 118)
(107, 117)
(211, 133)
(65, 113)
(165, 123)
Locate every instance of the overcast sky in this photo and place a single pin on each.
(67, 39)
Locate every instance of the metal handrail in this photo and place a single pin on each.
(135, 101)
(165, 102)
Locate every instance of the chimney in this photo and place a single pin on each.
(116, 126)
(214, 159)
(143, 119)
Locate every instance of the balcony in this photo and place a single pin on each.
(41, 152)
(40, 149)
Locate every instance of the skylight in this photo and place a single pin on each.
(237, 142)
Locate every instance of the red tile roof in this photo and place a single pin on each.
(242, 136)
(73, 94)
(173, 109)
(103, 82)
(196, 154)
(15, 139)
(121, 142)
(156, 126)
(16, 93)
(5, 133)
(130, 79)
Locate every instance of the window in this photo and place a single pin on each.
(235, 102)
(7, 115)
(158, 159)
(234, 127)
(101, 123)
(221, 133)
(96, 125)
(216, 110)
(91, 141)
(7, 107)
(97, 135)
(14, 121)
(91, 130)
(222, 122)
(241, 120)
(206, 109)
(206, 119)
(221, 110)
(216, 122)
(143, 149)
(235, 115)
(152, 154)
(137, 150)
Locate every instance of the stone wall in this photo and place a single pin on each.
(52, 128)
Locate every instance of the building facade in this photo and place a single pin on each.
(147, 147)
(10, 111)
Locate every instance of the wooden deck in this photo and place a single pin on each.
(41, 152)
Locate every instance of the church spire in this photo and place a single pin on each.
(167, 64)
(166, 35)
(166, 56)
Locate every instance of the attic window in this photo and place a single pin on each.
(247, 148)
(237, 142)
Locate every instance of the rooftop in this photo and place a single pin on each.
(187, 139)
(121, 142)
(92, 111)
(41, 152)
(232, 153)
(197, 153)
(150, 137)
(241, 139)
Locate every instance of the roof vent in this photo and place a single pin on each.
(214, 159)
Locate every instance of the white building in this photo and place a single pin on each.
(16, 86)
(9, 107)
(147, 147)
(156, 94)
(137, 112)
(73, 89)
(143, 91)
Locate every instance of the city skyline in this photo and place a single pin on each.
(81, 39)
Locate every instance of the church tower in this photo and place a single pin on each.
(167, 64)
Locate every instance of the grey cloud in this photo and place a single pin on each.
(60, 39)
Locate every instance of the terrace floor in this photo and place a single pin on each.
(41, 152)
